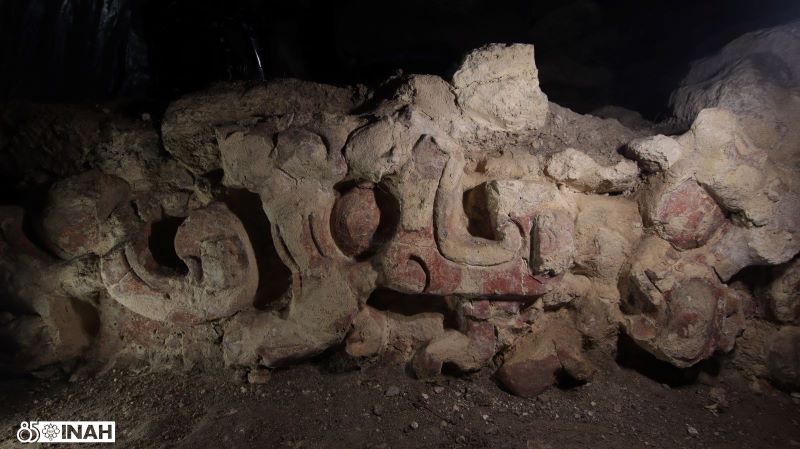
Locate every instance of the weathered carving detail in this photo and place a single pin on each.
(221, 274)
(527, 244)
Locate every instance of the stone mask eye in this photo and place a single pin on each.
(364, 217)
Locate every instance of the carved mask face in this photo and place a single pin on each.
(464, 194)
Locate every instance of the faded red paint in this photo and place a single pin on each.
(478, 309)
(355, 219)
(689, 215)
(444, 277)
(414, 265)
(483, 339)
(517, 281)
(78, 234)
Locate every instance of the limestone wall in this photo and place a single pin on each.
(466, 223)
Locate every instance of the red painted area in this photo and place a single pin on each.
(483, 341)
(478, 309)
(444, 277)
(516, 281)
(78, 234)
(355, 219)
(689, 215)
(415, 266)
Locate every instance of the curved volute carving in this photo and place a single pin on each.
(452, 235)
(221, 277)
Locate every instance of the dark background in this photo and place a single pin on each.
(591, 53)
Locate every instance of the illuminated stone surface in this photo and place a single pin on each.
(506, 230)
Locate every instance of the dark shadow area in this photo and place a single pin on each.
(390, 216)
(336, 361)
(448, 369)
(89, 317)
(590, 53)
(33, 200)
(475, 207)
(161, 243)
(214, 177)
(566, 382)
(755, 278)
(8, 349)
(406, 304)
(631, 356)
(274, 278)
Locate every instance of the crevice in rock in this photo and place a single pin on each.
(214, 177)
(409, 304)
(756, 276)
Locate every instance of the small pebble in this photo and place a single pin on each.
(414, 425)
(438, 390)
(392, 391)
(692, 431)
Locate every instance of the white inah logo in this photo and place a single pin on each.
(67, 432)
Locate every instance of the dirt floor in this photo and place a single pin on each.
(381, 407)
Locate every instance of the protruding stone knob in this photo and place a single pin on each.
(355, 220)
